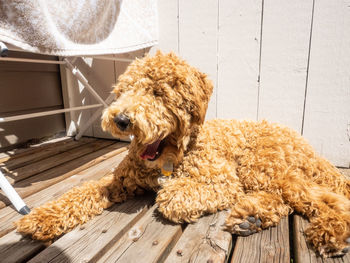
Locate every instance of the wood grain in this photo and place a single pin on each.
(270, 245)
(8, 215)
(204, 241)
(88, 243)
(15, 248)
(20, 152)
(52, 176)
(155, 239)
(303, 251)
(40, 153)
(31, 169)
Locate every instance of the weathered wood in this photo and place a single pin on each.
(204, 241)
(238, 58)
(327, 109)
(52, 176)
(149, 240)
(39, 153)
(198, 40)
(20, 152)
(24, 172)
(270, 245)
(15, 248)
(303, 252)
(8, 215)
(88, 243)
(284, 61)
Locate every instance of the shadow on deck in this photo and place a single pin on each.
(132, 231)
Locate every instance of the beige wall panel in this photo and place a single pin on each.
(16, 132)
(29, 90)
(238, 68)
(284, 58)
(327, 111)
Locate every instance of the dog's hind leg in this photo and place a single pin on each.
(328, 213)
(256, 211)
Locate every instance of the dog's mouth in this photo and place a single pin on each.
(153, 151)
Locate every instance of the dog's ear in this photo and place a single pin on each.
(199, 89)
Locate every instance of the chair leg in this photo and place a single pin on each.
(12, 195)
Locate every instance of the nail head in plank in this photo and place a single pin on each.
(203, 241)
(89, 242)
(149, 240)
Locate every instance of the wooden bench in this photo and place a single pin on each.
(132, 231)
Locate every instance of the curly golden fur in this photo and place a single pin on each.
(258, 170)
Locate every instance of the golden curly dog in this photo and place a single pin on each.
(260, 171)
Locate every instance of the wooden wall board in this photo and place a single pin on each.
(327, 109)
(198, 40)
(17, 132)
(284, 59)
(29, 90)
(238, 58)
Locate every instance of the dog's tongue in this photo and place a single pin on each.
(151, 150)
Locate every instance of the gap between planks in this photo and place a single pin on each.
(9, 215)
(40, 152)
(56, 174)
(270, 245)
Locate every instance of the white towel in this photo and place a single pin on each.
(79, 27)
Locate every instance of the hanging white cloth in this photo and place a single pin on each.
(79, 27)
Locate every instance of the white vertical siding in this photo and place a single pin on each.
(238, 53)
(327, 109)
(281, 60)
(284, 57)
(198, 31)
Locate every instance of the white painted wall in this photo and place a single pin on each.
(280, 60)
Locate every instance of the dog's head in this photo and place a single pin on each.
(159, 100)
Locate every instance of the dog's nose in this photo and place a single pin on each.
(122, 121)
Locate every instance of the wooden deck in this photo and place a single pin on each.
(132, 231)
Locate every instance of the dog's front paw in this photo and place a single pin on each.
(41, 224)
(243, 227)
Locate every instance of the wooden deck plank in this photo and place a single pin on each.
(8, 215)
(270, 245)
(204, 241)
(31, 169)
(15, 248)
(20, 152)
(54, 175)
(41, 152)
(150, 240)
(88, 243)
(303, 252)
